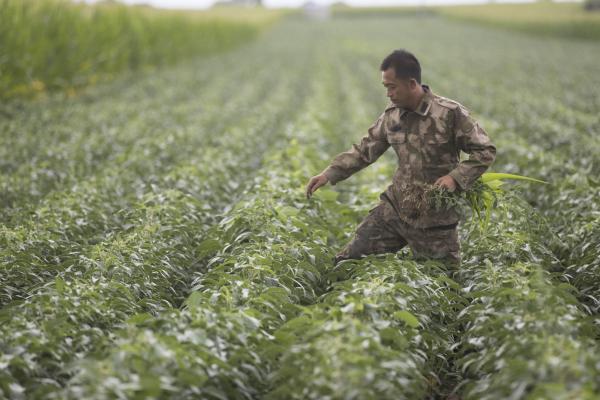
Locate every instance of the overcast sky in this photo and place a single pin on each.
(294, 3)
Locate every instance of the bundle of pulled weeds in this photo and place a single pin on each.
(480, 198)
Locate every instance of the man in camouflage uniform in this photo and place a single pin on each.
(427, 132)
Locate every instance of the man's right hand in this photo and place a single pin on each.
(315, 183)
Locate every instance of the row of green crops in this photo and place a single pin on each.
(182, 259)
(57, 44)
(119, 263)
(522, 333)
(55, 233)
(88, 142)
(75, 271)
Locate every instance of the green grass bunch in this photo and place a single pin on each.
(480, 198)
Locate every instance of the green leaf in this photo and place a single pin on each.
(328, 195)
(495, 184)
(139, 318)
(288, 211)
(492, 176)
(209, 246)
(60, 285)
(407, 317)
(195, 299)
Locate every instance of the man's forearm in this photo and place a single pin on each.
(335, 174)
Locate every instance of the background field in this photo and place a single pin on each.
(541, 18)
(62, 45)
(156, 241)
(567, 20)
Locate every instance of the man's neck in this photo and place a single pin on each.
(417, 98)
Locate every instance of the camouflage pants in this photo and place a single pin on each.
(382, 231)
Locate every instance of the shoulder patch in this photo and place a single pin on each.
(448, 103)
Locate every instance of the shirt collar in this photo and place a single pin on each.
(422, 108)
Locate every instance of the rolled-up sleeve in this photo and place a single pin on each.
(471, 138)
(371, 146)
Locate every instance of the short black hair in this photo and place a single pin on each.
(405, 64)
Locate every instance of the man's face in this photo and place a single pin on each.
(398, 90)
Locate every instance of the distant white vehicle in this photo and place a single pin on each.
(239, 3)
(315, 11)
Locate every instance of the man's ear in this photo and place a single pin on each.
(413, 84)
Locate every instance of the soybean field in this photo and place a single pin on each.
(156, 241)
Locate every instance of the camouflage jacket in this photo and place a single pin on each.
(427, 142)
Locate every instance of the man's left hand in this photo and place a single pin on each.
(447, 182)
